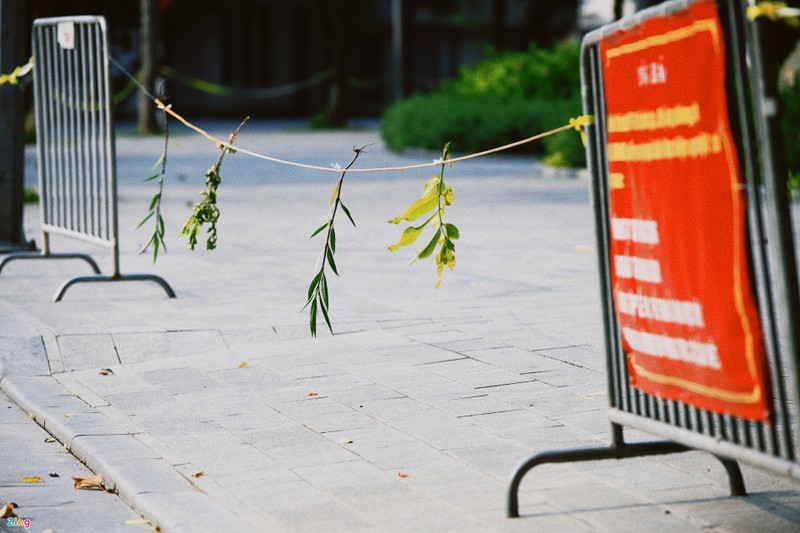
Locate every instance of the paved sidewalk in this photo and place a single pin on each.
(221, 414)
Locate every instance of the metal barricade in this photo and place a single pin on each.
(75, 144)
(774, 444)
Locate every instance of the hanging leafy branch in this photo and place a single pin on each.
(318, 289)
(157, 236)
(436, 196)
(206, 211)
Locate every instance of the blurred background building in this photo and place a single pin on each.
(295, 58)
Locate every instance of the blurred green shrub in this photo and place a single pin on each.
(502, 99)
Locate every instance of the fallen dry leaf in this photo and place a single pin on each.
(105, 371)
(92, 482)
(312, 394)
(31, 479)
(402, 475)
(242, 364)
(70, 415)
(8, 510)
(49, 440)
(198, 474)
(345, 441)
(54, 474)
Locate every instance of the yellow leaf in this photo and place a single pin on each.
(91, 482)
(449, 196)
(70, 415)
(31, 479)
(408, 237)
(431, 187)
(417, 209)
(242, 364)
(335, 192)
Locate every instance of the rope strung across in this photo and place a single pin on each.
(575, 123)
(19, 72)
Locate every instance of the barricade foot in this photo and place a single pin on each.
(119, 277)
(39, 255)
(620, 451)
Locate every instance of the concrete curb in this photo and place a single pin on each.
(145, 481)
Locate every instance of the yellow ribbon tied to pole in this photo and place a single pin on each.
(17, 73)
(579, 122)
(775, 11)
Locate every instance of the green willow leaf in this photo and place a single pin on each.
(331, 262)
(313, 284)
(324, 309)
(323, 289)
(333, 240)
(313, 318)
(451, 231)
(322, 227)
(154, 201)
(347, 212)
(145, 219)
(428, 250)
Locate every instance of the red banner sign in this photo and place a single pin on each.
(681, 281)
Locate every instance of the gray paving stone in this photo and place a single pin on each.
(189, 512)
(23, 356)
(87, 351)
(135, 347)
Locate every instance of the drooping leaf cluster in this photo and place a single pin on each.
(318, 297)
(154, 211)
(436, 196)
(206, 211)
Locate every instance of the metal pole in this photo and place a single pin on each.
(147, 34)
(12, 113)
(399, 49)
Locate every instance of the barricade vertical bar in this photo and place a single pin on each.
(787, 292)
(84, 211)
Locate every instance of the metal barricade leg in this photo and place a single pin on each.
(130, 277)
(37, 255)
(618, 451)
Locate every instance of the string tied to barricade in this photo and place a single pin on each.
(579, 124)
(776, 12)
(15, 75)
